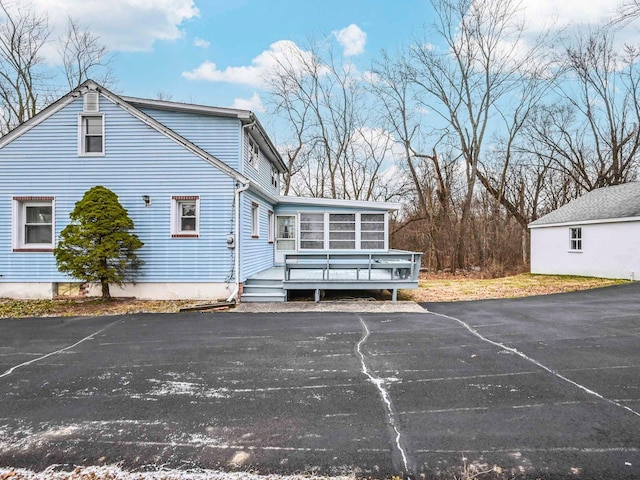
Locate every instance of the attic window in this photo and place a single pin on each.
(575, 242)
(254, 152)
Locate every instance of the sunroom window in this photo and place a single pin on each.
(342, 231)
(312, 231)
(372, 231)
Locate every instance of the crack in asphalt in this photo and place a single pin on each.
(384, 394)
(537, 363)
(42, 357)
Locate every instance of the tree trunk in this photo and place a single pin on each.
(106, 294)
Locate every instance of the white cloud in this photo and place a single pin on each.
(282, 52)
(541, 14)
(201, 42)
(124, 25)
(352, 39)
(254, 103)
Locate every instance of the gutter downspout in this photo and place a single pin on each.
(238, 191)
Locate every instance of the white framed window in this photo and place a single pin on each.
(185, 216)
(575, 239)
(91, 134)
(255, 220)
(372, 228)
(286, 233)
(343, 231)
(271, 218)
(254, 153)
(33, 224)
(312, 231)
(275, 175)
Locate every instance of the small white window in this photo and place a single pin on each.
(271, 218)
(575, 243)
(274, 177)
(185, 221)
(254, 154)
(91, 134)
(255, 221)
(33, 223)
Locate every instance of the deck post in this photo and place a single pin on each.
(394, 295)
(317, 295)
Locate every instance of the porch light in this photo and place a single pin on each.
(147, 200)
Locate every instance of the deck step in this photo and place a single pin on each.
(264, 297)
(262, 289)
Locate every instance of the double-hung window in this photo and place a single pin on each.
(575, 239)
(255, 220)
(185, 222)
(254, 153)
(91, 134)
(33, 224)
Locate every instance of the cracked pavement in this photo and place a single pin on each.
(539, 387)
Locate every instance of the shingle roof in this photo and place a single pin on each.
(619, 201)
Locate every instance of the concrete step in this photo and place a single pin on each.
(263, 297)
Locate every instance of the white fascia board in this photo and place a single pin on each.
(333, 202)
(587, 222)
(254, 187)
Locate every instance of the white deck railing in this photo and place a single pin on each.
(394, 266)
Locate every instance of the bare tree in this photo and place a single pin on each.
(323, 100)
(83, 55)
(627, 13)
(22, 35)
(465, 83)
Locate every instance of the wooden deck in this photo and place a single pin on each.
(345, 271)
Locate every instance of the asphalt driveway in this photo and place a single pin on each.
(545, 387)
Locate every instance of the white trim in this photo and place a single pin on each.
(332, 202)
(271, 229)
(587, 222)
(326, 242)
(255, 220)
(18, 221)
(176, 227)
(81, 135)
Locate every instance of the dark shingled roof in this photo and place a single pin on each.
(619, 201)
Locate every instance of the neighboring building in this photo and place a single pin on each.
(595, 235)
(201, 185)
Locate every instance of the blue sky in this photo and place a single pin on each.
(171, 46)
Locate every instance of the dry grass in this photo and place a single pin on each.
(453, 288)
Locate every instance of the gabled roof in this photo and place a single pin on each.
(603, 204)
(90, 85)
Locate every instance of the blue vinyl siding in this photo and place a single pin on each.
(218, 136)
(262, 176)
(138, 161)
(256, 253)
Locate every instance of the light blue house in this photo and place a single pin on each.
(202, 187)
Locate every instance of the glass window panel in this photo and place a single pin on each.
(372, 227)
(93, 144)
(371, 245)
(188, 209)
(312, 226)
(372, 217)
(286, 227)
(188, 223)
(312, 217)
(342, 235)
(286, 244)
(372, 236)
(93, 125)
(312, 235)
(311, 245)
(38, 233)
(342, 245)
(39, 214)
(342, 217)
(342, 226)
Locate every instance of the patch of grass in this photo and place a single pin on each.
(87, 307)
(435, 288)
